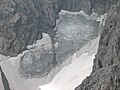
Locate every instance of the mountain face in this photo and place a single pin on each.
(22, 22)
(72, 32)
(106, 69)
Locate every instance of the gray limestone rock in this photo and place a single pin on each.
(105, 74)
(26, 20)
(36, 63)
(18, 26)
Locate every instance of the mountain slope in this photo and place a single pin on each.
(80, 60)
(35, 65)
(106, 68)
(22, 22)
(72, 75)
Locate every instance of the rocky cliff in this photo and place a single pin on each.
(18, 26)
(22, 22)
(106, 69)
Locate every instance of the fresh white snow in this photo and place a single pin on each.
(45, 41)
(73, 74)
(70, 76)
(10, 66)
(67, 79)
(93, 16)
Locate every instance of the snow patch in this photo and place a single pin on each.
(68, 78)
(45, 41)
(93, 16)
(73, 74)
(10, 66)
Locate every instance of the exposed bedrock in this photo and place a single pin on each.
(22, 22)
(5, 81)
(105, 74)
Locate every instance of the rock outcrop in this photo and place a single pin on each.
(106, 69)
(4, 79)
(22, 22)
(18, 26)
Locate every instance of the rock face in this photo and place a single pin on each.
(106, 69)
(18, 26)
(76, 5)
(22, 22)
(4, 79)
(102, 6)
